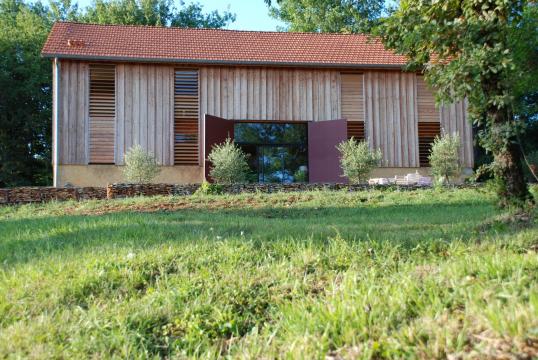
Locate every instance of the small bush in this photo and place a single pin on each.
(140, 166)
(229, 163)
(357, 160)
(209, 189)
(445, 157)
(300, 175)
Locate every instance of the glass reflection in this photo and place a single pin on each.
(278, 151)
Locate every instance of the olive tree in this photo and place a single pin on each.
(228, 163)
(357, 159)
(445, 157)
(140, 166)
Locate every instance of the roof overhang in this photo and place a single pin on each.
(221, 62)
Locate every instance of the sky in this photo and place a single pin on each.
(250, 14)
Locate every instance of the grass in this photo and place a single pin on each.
(326, 275)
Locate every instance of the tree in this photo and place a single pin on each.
(25, 98)
(154, 12)
(350, 16)
(25, 109)
(465, 50)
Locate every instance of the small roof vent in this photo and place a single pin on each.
(73, 43)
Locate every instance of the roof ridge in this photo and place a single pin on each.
(217, 29)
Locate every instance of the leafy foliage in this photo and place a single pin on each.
(466, 50)
(154, 12)
(25, 95)
(357, 160)
(228, 163)
(350, 16)
(26, 108)
(207, 188)
(445, 156)
(300, 175)
(531, 166)
(140, 166)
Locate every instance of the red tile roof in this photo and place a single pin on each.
(149, 43)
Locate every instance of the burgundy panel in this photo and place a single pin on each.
(216, 130)
(323, 157)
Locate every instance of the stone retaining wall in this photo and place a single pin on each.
(24, 195)
(115, 191)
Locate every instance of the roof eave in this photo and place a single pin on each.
(220, 62)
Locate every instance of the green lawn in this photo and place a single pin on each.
(326, 275)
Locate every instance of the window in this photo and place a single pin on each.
(427, 131)
(102, 113)
(355, 129)
(186, 115)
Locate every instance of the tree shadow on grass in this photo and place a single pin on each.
(23, 240)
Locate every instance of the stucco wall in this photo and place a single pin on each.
(101, 175)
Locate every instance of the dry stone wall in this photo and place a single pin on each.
(25, 195)
(115, 191)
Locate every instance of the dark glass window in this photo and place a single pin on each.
(278, 151)
(270, 133)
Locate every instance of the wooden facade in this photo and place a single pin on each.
(278, 94)
(385, 106)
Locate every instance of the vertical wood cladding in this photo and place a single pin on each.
(391, 118)
(145, 110)
(242, 93)
(390, 105)
(396, 103)
(73, 101)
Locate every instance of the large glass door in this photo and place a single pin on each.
(277, 151)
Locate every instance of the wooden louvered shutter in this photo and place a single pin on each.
(356, 129)
(429, 125)
(353, 104)
(102, 113)
(426, 102)
(427, 131)
(186, 115)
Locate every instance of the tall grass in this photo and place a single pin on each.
(423, 274)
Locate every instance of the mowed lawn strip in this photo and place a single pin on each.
(418, 274)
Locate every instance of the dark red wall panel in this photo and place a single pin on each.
(323, 157)
(216, 130)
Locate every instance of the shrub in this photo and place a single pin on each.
(140, 166)
(300, 175)
(209, 189)
(229, 163)
(357, 160)
(445, 157)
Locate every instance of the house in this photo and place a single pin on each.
(286, 98)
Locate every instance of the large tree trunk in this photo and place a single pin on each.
(513, 189)
(508, 170)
